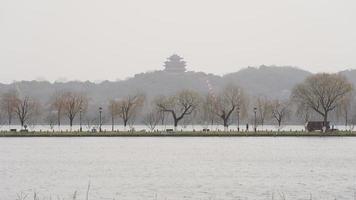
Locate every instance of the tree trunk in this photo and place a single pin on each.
(112, 123)
(226, 125)
(71, 123)
(175, 124)
(22, 122)
(125, 123)
(176, 120)
(59, 119)
(325, 120)
(346, 118)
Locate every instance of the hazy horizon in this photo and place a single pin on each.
(65, 80)
(110, 40)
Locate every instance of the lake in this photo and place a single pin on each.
(179, 168)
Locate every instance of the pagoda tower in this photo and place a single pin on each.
(175, 64)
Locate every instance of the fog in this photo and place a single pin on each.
(99, 40)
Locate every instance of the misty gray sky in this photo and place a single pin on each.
(115, 39)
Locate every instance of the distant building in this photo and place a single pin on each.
(175, 64)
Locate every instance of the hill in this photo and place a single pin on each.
(271, 81)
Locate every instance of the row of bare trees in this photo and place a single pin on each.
(27, 109)
(126, 109)
(278, 110)
(221, 108)
(24, 108)
(318, 95)
(69, 104)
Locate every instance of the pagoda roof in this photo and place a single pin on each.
(175, 63)
(175, 57)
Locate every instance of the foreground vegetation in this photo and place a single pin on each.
(75, 196)
(179, 134)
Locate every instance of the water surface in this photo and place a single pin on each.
(179, 168)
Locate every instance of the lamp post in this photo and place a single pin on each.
(238, 119)
(255, 111)
(100, 111)
(80, 119)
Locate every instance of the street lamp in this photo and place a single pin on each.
(80, 119)
(100, 111)
(238, 119)
(255, 111)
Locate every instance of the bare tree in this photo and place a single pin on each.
(303, 111)
(57, 104)
(343, 109)
(263, 108)
(91, 122)
(227, 102)
(152, 118)
(163, 116)
(51, 119)
(129, 107)
(206, 111)
(280, 111)
(8, 104)
(26, 109)
(180, 105)
(322, 92)
(1, 119)
(73, 103)
(114, 112)
(352, 121)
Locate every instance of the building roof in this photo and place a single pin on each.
(175, 64)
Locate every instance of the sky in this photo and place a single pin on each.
(115, 39)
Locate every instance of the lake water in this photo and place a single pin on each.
(179, 168)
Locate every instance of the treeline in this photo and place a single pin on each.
(318, 97)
